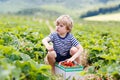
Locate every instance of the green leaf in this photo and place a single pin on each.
(25, 57)
(91, 69)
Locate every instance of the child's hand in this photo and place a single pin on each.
(50, 48)
(70, 60)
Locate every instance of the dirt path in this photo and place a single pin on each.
(49, 26)
(47, 22)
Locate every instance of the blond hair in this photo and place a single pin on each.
(66, 21)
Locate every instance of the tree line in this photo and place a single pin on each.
(101, 11)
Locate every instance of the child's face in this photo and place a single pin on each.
(61, 29)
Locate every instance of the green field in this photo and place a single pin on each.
(107, 17)
(22, 52)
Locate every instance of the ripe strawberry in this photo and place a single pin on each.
(67, 64)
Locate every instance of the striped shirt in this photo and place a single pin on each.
(63, 45)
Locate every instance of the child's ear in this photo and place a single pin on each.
(68, 30)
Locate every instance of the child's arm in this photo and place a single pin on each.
(80, 50)
(46, 44)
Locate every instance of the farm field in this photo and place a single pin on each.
(22, 52)
(107, 17)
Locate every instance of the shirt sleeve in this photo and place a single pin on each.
(51, 36)
(74, 41)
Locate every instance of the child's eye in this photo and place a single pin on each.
(61, 25)
(57, 24)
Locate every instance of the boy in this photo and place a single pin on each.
(65, 46)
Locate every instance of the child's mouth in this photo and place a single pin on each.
(57, 30)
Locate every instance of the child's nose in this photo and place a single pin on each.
(58, 26)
